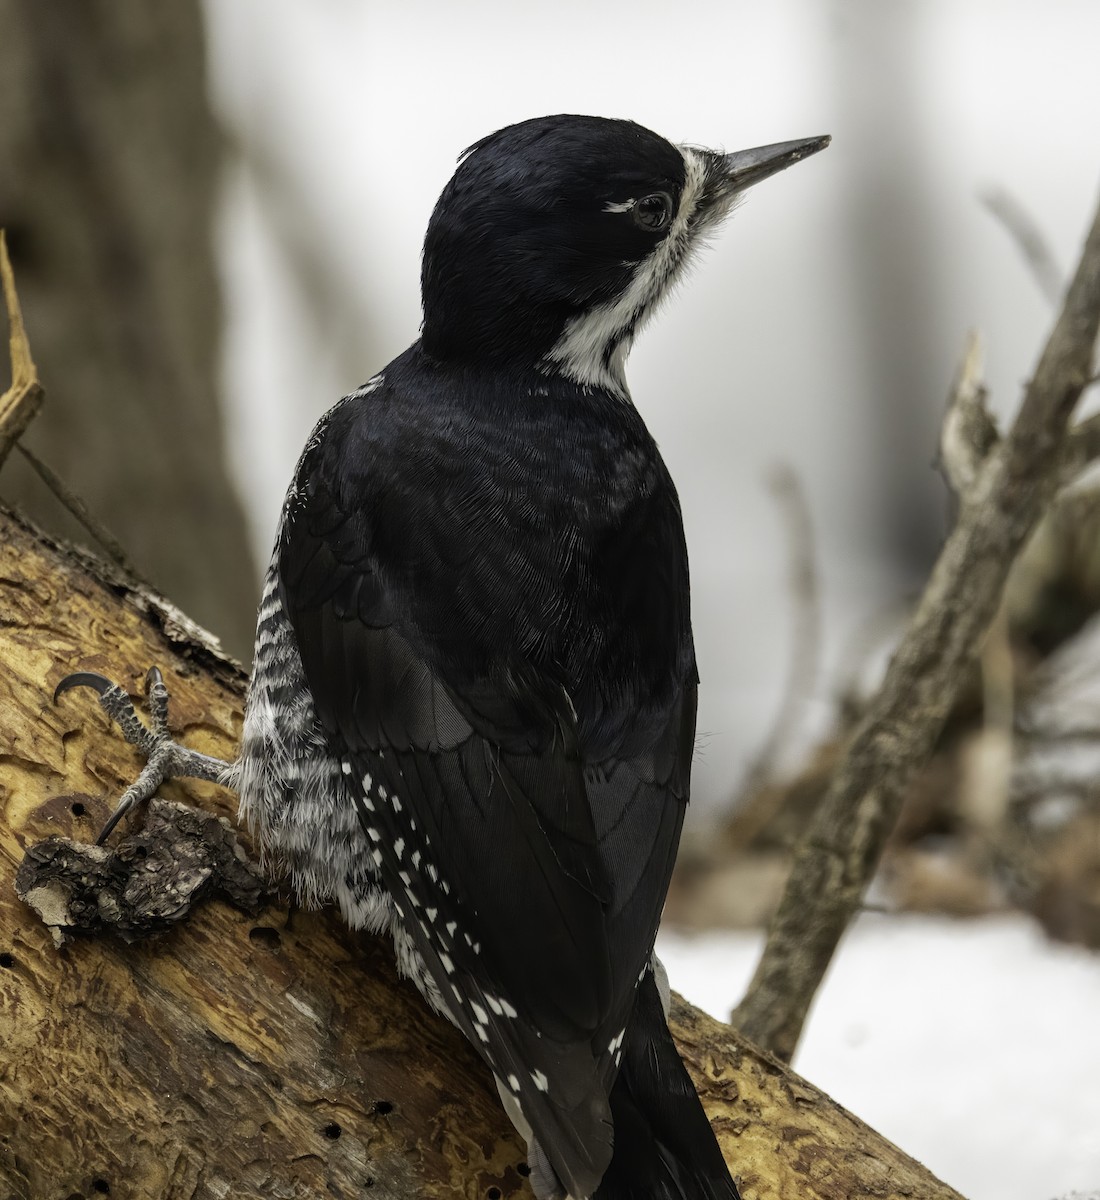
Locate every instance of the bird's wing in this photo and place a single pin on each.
(530, 878)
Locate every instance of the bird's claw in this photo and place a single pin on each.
(99, 683)
(115, 702)
(156, 693)
(165, 759)
(155, 689)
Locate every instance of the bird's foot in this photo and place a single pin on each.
(165, 759)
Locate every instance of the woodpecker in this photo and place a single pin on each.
(472, 711)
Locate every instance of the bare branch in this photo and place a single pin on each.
(1029, 239)
(836, 860)
(23, 399)
(758, 802)
(21, 402)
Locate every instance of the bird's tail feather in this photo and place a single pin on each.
(665, 1148)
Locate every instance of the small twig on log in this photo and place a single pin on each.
(80, 511)
(998, 509)
(23, 399)
(758, 802)
(1023, 230)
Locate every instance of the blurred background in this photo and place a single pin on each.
(215, 214)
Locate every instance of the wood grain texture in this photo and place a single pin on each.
(276, 1056)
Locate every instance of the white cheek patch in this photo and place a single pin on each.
(593, 347)
(695, 177)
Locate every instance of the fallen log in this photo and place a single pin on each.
(271, 1055)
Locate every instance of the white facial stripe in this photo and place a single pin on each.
(695, 175)
(593, 347)
(622, 207)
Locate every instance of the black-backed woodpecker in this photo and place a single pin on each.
(472, 712)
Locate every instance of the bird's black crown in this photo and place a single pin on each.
(558, 236)
(525, 236)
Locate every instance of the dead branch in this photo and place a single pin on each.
(143, 884)
(73, 503)
(968, 432)
(1028, 238)
(1003, 489)
(758, 800)
(23, 399)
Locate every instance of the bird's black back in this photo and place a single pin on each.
(487, 581)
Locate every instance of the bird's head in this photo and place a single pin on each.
(557, 237)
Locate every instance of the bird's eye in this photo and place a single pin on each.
(653, 212)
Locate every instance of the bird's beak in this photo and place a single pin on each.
(743, 168)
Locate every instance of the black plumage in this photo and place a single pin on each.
(483, 571)
(491, 605)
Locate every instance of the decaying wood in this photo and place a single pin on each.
(140, 886)
(270, 1056)
(1003, 489)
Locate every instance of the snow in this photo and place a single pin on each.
(975, 1046)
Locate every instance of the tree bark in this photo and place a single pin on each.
(109, 163)
(276, 1056)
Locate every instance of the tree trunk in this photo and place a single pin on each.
(277, 1056)
(109, 160)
